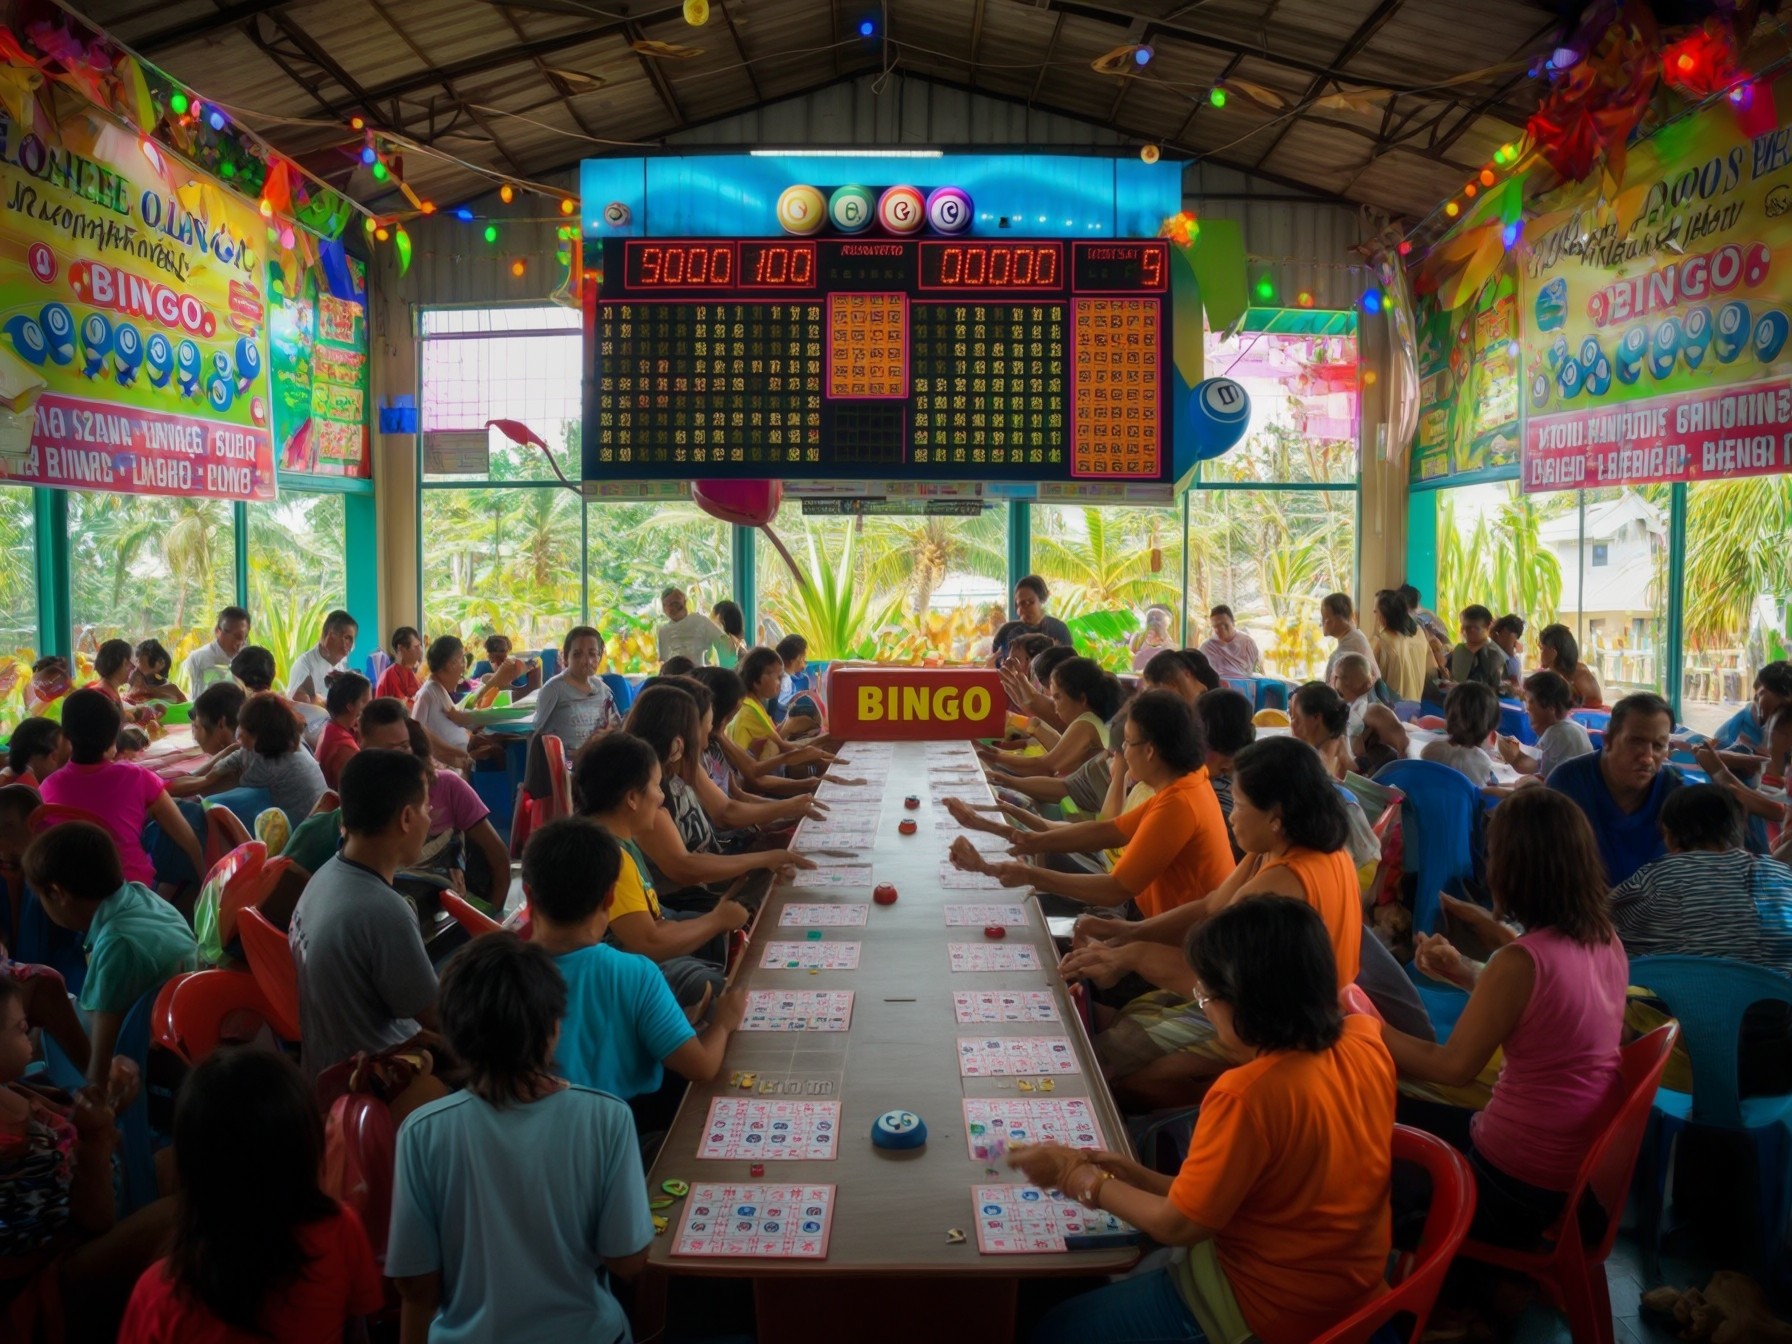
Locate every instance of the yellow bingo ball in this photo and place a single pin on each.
(801, 210)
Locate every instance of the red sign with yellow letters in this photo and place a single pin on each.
(915, 704)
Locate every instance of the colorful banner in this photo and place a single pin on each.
(1656, 320)
(318, 362)
(1468, 383)
(132, 309)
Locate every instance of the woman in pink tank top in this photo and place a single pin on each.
(1552, 1000)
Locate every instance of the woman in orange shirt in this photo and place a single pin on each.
(1175, 845)
(1282, 1200)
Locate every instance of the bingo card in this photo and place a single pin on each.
(769, 1130)
(802, 956)
(778, 1222)
(1012, 1056)
(798, 1010)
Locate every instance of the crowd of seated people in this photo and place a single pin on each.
(1221, 867)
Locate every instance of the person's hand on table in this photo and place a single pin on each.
(1100, 929)
(731, 914)
(1046, 1165)
(965, 856)
(1102, 964)
(1511, 750)
(808, 809)
(1010, 874)
(968, 817)
(1026, 842)
(1436, 957)
(790, 859)
(848, 782)
(731, 1008)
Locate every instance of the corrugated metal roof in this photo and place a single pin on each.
(1392, 103)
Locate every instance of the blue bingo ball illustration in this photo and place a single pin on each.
(186, 365)
(1695, 336)
(248, 363)
(96, 344)
(1664, 349)
(1558, 351)
(1632, 347)
(28, 339)
(1770, 335)
(127, 353)
(1552, 305)
(1730, 331)
(220, 364)
(158, 354)
(1590, 351)
(1568, 378)
(59, 330)
(1539, 390)
(1599, 381)
(219, 393)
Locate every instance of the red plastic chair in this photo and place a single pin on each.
(54, 814)
(467, 916)
(558, 803)
(224, 832)
(1419, 1276)
(359, 1160)
(1572, 1273)
(270, 960)
(1432, 722)
(198, 1011)
(327, 801)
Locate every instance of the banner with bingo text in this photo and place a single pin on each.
(132, 303)
(1655, 319)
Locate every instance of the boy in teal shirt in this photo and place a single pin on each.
(622, 1022)
(134, 940)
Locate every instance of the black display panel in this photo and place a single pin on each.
(974, 358)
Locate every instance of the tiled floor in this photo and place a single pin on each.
(1626, 1281)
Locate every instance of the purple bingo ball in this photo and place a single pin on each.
(948, 210)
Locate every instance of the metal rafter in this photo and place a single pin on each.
(746, 63)
(1361, 38)
(657, 76)
(1051, 50)
(976, 36)
(204, 25)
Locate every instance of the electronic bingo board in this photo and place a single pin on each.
(942, 359)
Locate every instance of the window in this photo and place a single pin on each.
(1108, 569)
(18, 600)
(1304, 407)
(1613, 553)
(633, 552)
(143, 565)
(1507, 551)
(1738, 592)
(298, 571)
(521, 364)
(901, 587)
(1272, 555)
(501, 561)
(1601, 555)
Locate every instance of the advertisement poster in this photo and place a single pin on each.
(132, 308)
(1468, 383)
(318, 362)
(1655, 324)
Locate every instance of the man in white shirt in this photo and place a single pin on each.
(309, 680)
(211, 662)
(687, 633)
(1337, 618)
(1232, 652)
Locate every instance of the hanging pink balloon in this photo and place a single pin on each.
(748, 503)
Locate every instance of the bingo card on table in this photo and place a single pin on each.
(1003, 1005)
(798, 915)
(780, 1222)
(798, 1010)
(802, 956)
(983, 916)
(993, 956)
(1015, 1056)
(764, 1129)
(993, 1125)
(1024, 1220)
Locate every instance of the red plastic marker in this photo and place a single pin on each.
(994, 931)
(912, 802)
(906, 826)
(884, 894)
(757, 1169)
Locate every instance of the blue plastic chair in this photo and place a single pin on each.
(171, 864)
(1245, 686)
(799, 681)
(550, 663)
(41, 943)
(1430, 709)
(1709, 996)
(1271, 694)
(1514, 722)
(1408, 711)
(1437, 819)
(377, 663)
(1592, 718)
(620, 691)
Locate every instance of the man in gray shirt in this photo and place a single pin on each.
(1548, 701)
(365, 981)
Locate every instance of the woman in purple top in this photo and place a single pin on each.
(1551, 999)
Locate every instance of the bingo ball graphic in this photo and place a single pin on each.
(220, 392)
(1770, 335)
(851, 209)
(1730, 331)
(186, 364)
(158, 354)
(901, 210)
(96, 344)
(1695, 336)
(1539, 390)
(948, 210)
(1568, 378)
(248, 363)
(28, 339)
(1552, 305)
(801, 210)
(617, 215)
(1632, 349)
(59, 331)
(1599, 381)
(1664, 350)
(1221, 411)
(127, 353)
(1590, 351)
(1558, 351)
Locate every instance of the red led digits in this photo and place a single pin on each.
(680, 265)
(777, 265)
(975, 265)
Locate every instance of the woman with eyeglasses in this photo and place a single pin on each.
(1282, 1201)
(1173, 845)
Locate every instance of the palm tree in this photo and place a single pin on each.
(1107, 568)
(1736, 552)
(914, 555)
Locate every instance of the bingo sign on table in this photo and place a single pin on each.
(869, 351)
(1658, 351)
(131, 299)
(915, 704)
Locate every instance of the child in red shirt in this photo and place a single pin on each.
(268, 1258)
(347, 697)
(400, 681)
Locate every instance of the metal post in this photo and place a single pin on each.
(1672, 654)
(240, 513)
(746, 578)
(55, 602)
(1020, 542)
